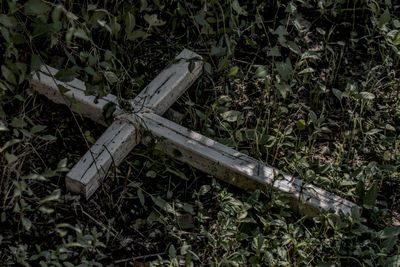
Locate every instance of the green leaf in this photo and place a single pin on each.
(367, 95)
(301, 124)
(53, 197)
(218, 51)
(11, 158)
(3, 127)
(389, 232)
(294, 47)
(38, 128)
(231, 115)
(161, 203)
(130, 23)
(285, 69)
(396, 39)
(36, 7)
(10, 143)
(274, 52)
(48, 137)
(233, 71)
(8, 75)
(337, 93)
(62, 164)
(137, 34)
(8, 21)
(66, 75)
(153, 20)
(200, 20)
(283, 88)
(35, 62)
(56, 13)
(151, 174)
(111, 77)
(384, 18)
(140, 195)
(80, 33)
(306, 71)
(261, 72)
(370, 196)
(236, 6)
(26, 223)
(18, 123)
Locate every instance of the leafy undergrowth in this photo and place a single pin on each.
(310, 88)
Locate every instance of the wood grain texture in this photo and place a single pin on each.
(44, 83)
(239, 169)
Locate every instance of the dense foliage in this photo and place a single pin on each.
(310, 87)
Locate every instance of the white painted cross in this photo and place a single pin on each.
(187, 146)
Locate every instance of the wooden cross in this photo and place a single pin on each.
(179, 142)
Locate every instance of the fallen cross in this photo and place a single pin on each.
(184, 144)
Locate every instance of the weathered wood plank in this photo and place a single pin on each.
(86, 176)
(170, 84)
(111, 148)
(237, 168)
(44, 83)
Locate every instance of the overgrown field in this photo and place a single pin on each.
(309, 87)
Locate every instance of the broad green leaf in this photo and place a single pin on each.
(137, 34)
(200, 20)
(384, 18)
(233, 71)
(48, 137)
(389, 232)
(8, 21)
(18, 123)
(370, 196)
(10, 158)
(55, 195)
(231, 115)
(8, 75)
(367, 95)
(306, 71)
(10, 143)
(36, 7)
(26, 223)
(274, 52)
(285, 69)
(130, 22)
(218, 51)
(337, 93)
(66, 75)
(283, 88)
(80, 33)
(111, 77)
(240, 10)
(261, 72)
(301, 124)
(151, 174)
(161, 203)
(35, 62)
(373, 131)
(3, 127)
(38, 128)
(153, 20)
(62, 164)
(56, 13)
(294, 47)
